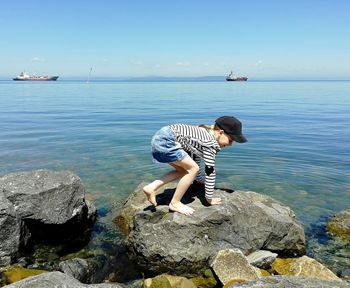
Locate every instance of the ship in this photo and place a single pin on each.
(233, 77)
(26, 77)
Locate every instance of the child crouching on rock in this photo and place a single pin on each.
(175, 143)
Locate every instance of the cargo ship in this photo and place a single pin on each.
(233, 77)
(26, 77)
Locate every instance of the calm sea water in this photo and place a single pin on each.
(298, 132)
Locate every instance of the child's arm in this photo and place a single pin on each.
(210, 175)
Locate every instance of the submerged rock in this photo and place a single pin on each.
(333, 252)
(339, 225)
(160, 241)
(41, 206)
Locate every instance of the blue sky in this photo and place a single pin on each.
(300, 39)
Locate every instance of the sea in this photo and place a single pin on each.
(298, 148)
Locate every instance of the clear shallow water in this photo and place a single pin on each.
(298, 132)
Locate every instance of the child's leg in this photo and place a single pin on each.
(151, 188)
(191, 168)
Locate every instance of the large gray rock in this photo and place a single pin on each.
(57, 280)
(41, 205)
(10, 227)
(291, 282)
(47, 196)
(161, 241)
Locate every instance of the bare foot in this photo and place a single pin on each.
(214, 201)
(150, 193)
(181, 208)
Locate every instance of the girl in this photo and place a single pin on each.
(175, 143)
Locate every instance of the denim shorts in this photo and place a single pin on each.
(165, 149)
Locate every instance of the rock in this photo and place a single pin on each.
(262, 258)
(10, 227)
(345, 274)
(303, 266)
(168, 281)
(339, 225)
(92, 212)
(291, 282)
(232, 266)
(41, 206)
(58, 279)
(160, 241)
(158, 281)
(50, 197)
(78, 268)
(14, 274)
(207, 280)
(262, 272)
(136, 202)
(135, 283)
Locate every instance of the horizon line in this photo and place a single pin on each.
(218, 78)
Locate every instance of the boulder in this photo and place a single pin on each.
(160, 241)
(232, 266)
(339, 225)
(303, 266)
(41, 206)
(291, 282)
(10, 227)
(84, 270)
(58, 279)
(262, 258)
(168, 281)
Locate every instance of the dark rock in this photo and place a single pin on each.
(97, 266)
(160, 241)
(10, 227)
(84, 270)
(41, 206)
(58, 279)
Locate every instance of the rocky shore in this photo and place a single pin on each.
(251, 240)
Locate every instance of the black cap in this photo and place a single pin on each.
(232, 127)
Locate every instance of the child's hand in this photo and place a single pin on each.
(214, 201)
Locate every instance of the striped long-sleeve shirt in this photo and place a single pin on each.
(199, 143)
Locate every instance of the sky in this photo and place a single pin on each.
(300, 39)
